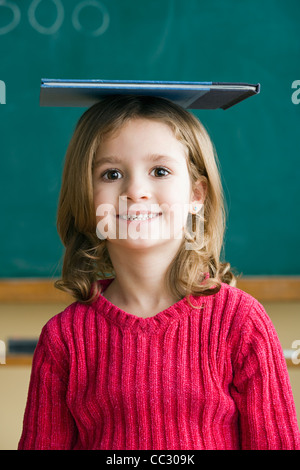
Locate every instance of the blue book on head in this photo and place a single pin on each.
(189, 95)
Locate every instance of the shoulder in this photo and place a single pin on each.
(74, 314)
(234, 292)
(237, 302)
(229, 302)
(247, 306)
(62, 329)
(251, 326)
(230, 310)
(66, 318)
(244, 315)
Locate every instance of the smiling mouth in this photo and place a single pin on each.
(139, 217)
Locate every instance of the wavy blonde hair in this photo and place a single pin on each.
(196, 271)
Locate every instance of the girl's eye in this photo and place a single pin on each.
(160, 172)
(111, 175)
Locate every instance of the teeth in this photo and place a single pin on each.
(138, 217)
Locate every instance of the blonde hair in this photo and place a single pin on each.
(196, 271)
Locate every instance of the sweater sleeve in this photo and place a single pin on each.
(262, 390)
(48, 423)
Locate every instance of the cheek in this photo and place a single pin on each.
(178, 193)
(179, 198)
(102, 195)
(100, 206)
(175, 209)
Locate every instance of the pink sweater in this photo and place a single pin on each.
(213, 378)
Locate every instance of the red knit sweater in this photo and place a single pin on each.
(209, 378)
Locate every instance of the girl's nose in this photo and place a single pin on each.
(136, 189)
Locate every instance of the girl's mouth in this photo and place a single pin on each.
(139, 217)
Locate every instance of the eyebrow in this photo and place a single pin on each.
(102, 161)
(113, 159)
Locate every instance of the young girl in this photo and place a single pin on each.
(160, 350)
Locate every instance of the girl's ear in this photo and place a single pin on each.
(199, 192)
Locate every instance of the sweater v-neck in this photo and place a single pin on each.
(159, 321)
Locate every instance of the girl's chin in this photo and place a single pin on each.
(155, 247)
(146, 243)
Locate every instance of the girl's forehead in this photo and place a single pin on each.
(138, 122)
(143, 136)
(155, 131)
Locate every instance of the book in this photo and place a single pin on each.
(189, 95)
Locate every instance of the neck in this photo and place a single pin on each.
(140, 282)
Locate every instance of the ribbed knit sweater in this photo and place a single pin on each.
(208, 378)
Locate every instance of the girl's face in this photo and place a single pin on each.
(142, 187)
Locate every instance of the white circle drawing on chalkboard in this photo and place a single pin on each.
(50, 29)
(16, 17)
(91, 3)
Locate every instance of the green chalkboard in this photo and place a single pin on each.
(257, 141)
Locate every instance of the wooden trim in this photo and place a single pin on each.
(27, 291)
(290, 364)
(272, 288)
(19, 360)
(263, 288)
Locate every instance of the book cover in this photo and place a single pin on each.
(189, 95)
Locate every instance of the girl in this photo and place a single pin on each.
(160, 350)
